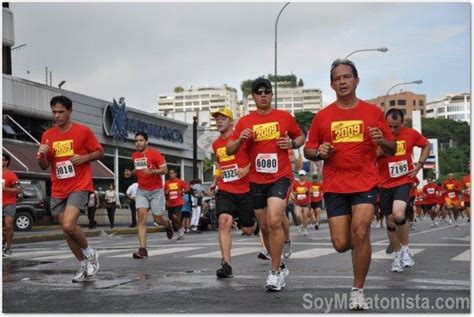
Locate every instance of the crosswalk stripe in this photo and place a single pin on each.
(312, 253)
(70, 255)
(157, 252)
(234, 252)
(381, 255)
(35, 253)
(465, 256)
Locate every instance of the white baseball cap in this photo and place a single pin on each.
(302, 172)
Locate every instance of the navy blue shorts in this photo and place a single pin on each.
(341, 204)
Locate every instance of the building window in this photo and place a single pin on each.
(204, 102)
(178, 97)
(421, 111)
(382, 104)
(401, 102)
(392, 103)
(414, 103)
(420, 103)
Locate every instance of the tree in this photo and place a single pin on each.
(300, 83)
(178, 89)
(246, 87)
(304, 119)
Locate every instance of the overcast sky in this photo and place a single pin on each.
(142, 50)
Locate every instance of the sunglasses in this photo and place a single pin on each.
(263, 91)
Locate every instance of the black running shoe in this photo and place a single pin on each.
(225, 271)
(169, 231)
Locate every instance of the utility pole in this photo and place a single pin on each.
(46, 75)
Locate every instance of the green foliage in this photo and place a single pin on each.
(300, 83)
(446, 129)
(289, 80)
(304, 119)
(246, 87)
(178, 89)
(454, 160)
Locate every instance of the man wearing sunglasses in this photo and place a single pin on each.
(346, 134)
(268, 134)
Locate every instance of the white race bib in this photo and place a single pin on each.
(430, 191)
(301, 197)
(398, 169)
(173, 195)
(452, 195)
(316, 194)
(267, 163)
(140, 163)
(229, 173)
(65, 169)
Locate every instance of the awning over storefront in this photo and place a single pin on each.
(23, 162)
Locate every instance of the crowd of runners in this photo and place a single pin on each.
(369, 173)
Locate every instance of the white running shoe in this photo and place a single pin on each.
(450, 221)
(287, 249)
(305, 232)
(284, 270)
(81, 274)
(407, 258)
(397, 263)
(378, 225)
(357, 300)
(275, 281)
(92, 264)
(300, 229)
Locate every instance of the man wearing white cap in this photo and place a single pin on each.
(301, 196)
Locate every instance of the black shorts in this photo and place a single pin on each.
(427, 208)
(389, 195)
(174, 211)
(236, 205)
(341, 204)
(467, 204)
(185, 214)
(261, 192)
(318, 204)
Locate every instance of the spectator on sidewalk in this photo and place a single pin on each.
(111, 203)
(186, 212)
(196, 202)
(131, 194)
(92, 206)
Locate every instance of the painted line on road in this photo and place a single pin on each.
(381, 255)
(157, 252)
(234, 252)
(465, 256)
(70, 255)
(36, 253)
(312, 253)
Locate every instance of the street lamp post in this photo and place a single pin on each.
(400, 84)
(380, 49)
(195, 168)
(276, 26)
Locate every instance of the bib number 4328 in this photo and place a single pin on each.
(266, 163)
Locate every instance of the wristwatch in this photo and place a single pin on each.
(318, 156)
(293, 144)
(422, 164)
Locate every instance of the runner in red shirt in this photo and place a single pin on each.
(301, 191)
(69, 148)
(268, 134)
(345, 135)
(233, 198)
(316, 199)
(431, 194)
(149, 165)
(10, 189)
(452, 200)
(466, 194)
(175, 188)
(398, 174)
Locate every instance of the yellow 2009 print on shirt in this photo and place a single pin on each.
(222, 155)
(401, 148)
(266, 131)
(347, 131)
(63, 148)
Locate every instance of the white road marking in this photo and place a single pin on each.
(70, 255)
(234, 252)
(381, 255)
(465, 256)
(157, 252)
(35, 253)
(312, 253)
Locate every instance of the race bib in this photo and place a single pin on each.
(140, 163)
(316, 194)
(398, 169)
(452, 195)
(430, 191)
(300, 197)
(173, 195)
(229, 173)
(267, 163)
(65, 169)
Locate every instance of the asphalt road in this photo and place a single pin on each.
(179, 276)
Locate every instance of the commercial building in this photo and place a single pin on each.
(451, 106)
(199, 99)
(406, 101)
(294, 99)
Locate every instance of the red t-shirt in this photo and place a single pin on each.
(269, 163)
(442, 197)
(228, 166)
(174, 189)
(415, 183)
(301, 192)
(394, 169)
(419, 199)
(352, 167)
(466, 183)
(152, 159)
(66, 177)
(431, 193)
(452, 188)
(317, 189)
(9, 180)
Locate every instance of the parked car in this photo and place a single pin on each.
(30, 206)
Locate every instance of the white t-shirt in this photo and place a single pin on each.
(132, 190)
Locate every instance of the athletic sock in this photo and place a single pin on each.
(404, 247)
(88, 251)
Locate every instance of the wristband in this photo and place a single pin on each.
(293, 144)
(422, 164)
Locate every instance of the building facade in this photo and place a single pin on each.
(294, 100)
(406, 101)
(200, 99)
(26, 114)
(451, 106)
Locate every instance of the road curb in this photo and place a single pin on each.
(92, 233)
